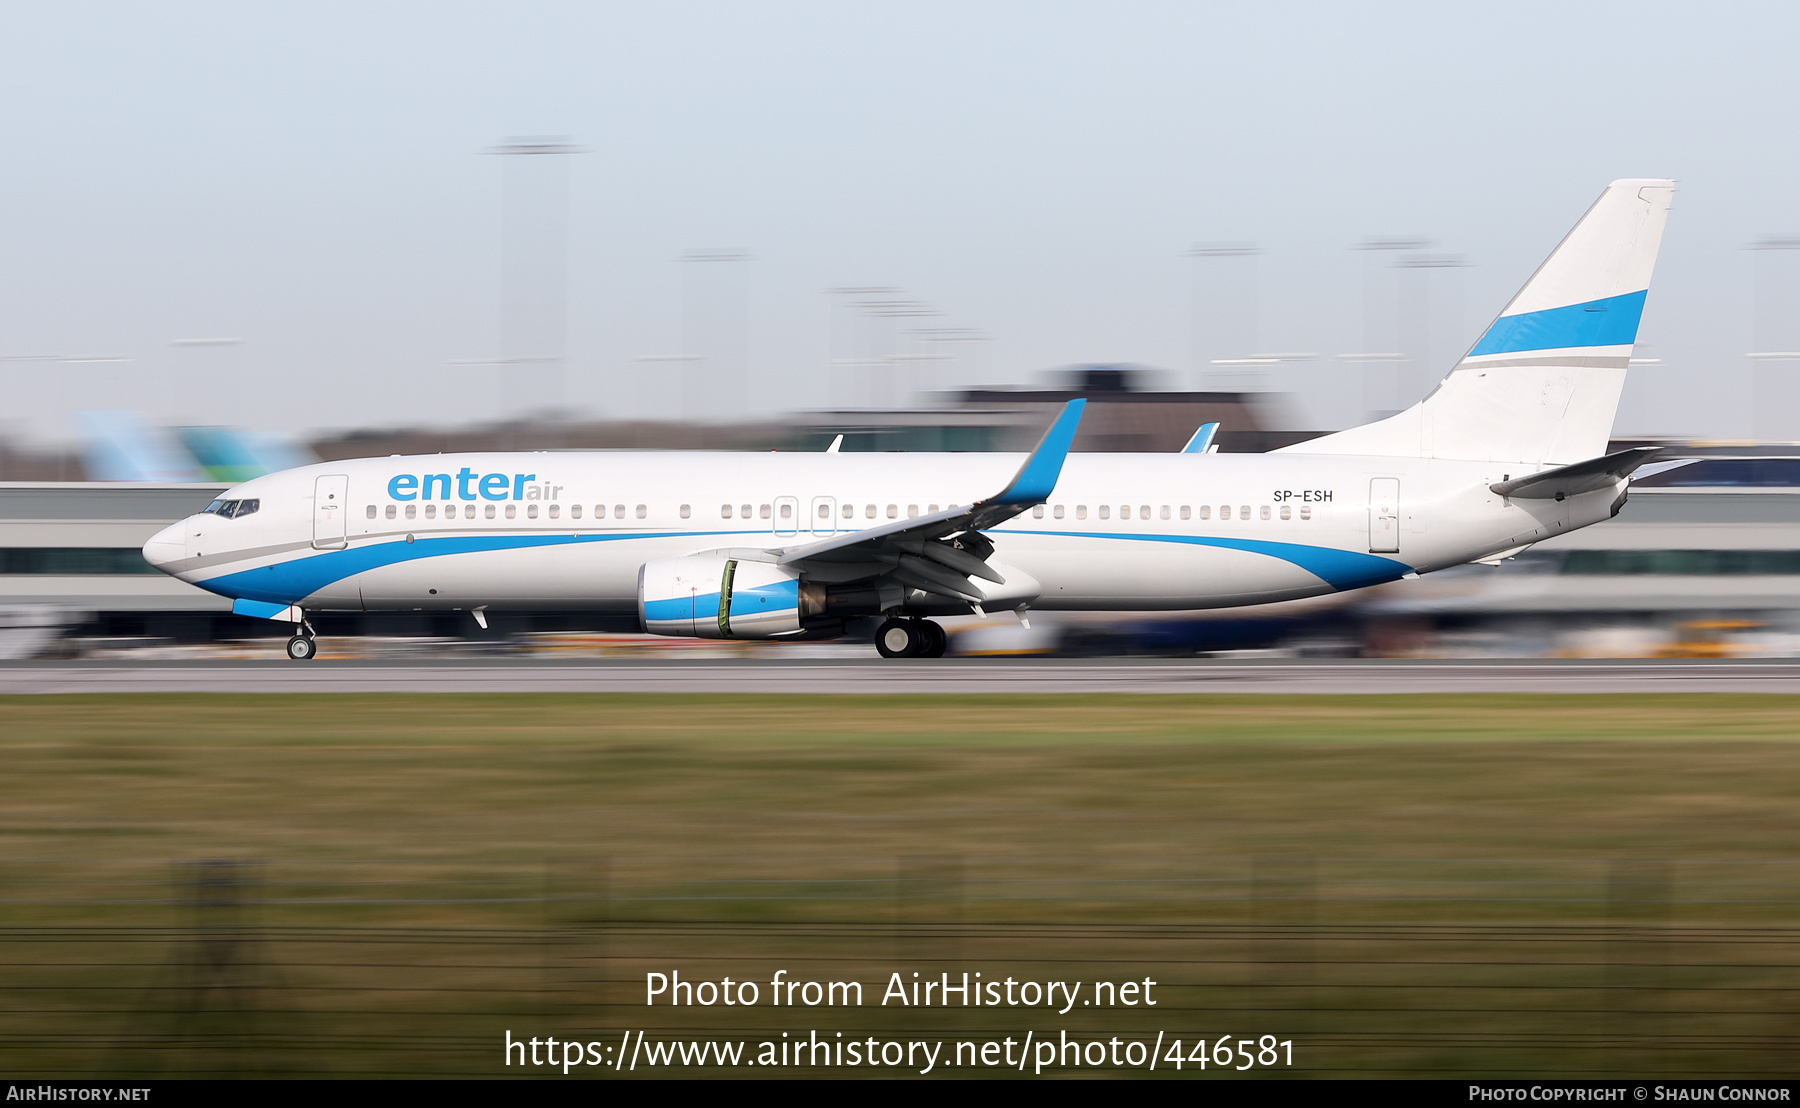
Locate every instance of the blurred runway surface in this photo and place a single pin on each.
(952, 675)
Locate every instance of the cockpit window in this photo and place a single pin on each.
(231, 509)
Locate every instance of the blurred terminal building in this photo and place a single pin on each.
(1703, 561)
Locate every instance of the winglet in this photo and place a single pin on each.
(835, 443)
(1036, 479)
(1202, 439)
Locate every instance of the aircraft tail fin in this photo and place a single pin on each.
(1542, 383)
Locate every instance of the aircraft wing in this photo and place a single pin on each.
(941, 551)
(1595, 473)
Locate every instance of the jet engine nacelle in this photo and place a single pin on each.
(708, 596)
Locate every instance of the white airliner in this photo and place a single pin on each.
(1509, 449)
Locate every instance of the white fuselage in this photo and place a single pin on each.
(1120, 532)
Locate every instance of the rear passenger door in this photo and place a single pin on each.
(1384, 515)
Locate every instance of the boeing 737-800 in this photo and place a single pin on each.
(1509, 449)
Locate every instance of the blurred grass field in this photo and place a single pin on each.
(1438, 885)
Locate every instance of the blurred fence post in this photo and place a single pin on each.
(1284, 913)
(1639, 896)
(204, 1010)
(576, 914)
(928, 907)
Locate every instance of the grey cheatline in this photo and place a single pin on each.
(1508, 450)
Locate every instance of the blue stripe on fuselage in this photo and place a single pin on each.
(1341, 569)
(293, 581)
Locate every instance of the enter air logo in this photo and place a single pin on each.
(469, 485)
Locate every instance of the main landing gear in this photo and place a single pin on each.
(910, 638)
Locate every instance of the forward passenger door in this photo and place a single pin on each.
(330, 512)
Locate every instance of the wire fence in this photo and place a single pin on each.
(1368, 966)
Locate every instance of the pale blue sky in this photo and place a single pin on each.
(310, 178)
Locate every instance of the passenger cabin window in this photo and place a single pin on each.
(1037, 512)
(1265, 511)
(1243, 511)
(1057, 511)
(724, 511)
(849, 511)
(1105, 511)
(1224, 511)
(391, 513)
(930, 508)
(869, 512)
(431, 511)
(574, 511)
(531, 511)
(1081, 511)
(371, 511)
(1187, 512)
(490, 511)
(1144, 512)
(618, 511)
(555, 510)
(1287, 511)
(512, 511)
(787, 511)
(1206, 511)
(642, 511)
(686, 511)
(893, 511)
(1306, 511)
(912, 511)
(412, 511)
(1165, 511)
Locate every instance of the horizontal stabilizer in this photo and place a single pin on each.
(1595, 473)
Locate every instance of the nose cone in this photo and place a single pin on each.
(166, 547)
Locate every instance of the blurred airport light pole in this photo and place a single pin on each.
(1224, 306)
(1776, 338)
(947, 341)
(715, 326)
(871, 361)
(845, 357)
(209, 377)
(1426, 361)
(1381, 353)
(534, 273)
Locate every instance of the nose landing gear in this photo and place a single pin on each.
(302, 648)
(910, 638)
